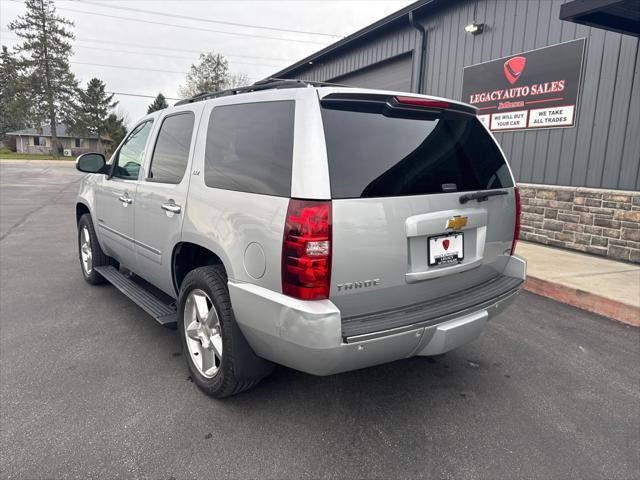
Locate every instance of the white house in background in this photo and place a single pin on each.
(38, 140)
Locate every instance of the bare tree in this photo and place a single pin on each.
(211, 74)
(235, 80)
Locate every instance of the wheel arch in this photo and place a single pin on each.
(81, 209)
(187, 256)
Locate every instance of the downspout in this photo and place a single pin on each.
(422, 52)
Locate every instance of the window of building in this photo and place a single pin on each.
(250, 148)
(171, 152)
(78, 142)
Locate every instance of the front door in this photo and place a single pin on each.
(161, 198)
(115, 200)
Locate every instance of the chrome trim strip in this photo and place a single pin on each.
(115, 232)
(147, 247)
(132, 240)
(433, 321)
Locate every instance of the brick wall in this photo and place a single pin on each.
(591, 220)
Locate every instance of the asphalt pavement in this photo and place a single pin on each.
(92, 387)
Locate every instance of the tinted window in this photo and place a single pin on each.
(250, 148)
(131, 154)
(371, 155)
(170, 155)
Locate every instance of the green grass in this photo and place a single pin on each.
(5, 154)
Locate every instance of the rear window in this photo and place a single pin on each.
(372, 155)
(250, 148)
(171, 153)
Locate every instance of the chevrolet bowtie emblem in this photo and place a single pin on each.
(457, 222)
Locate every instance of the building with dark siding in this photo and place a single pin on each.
(580, 180)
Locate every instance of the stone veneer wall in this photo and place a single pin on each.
(592, 220)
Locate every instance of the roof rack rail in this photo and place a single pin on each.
(266, 84)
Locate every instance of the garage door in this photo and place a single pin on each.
(394, 74)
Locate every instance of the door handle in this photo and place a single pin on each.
(126, 199)
(171, 207)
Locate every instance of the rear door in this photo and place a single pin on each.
(401, 232)
(162, 195)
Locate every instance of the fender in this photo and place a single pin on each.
(86, 197)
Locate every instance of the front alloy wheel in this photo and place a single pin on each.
(85, 251)
(90, 253)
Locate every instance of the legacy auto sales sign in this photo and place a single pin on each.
(535, 89)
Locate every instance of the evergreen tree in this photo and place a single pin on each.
(90, 113)
(45, 52)
(114, 128)
(158, 104)
(15, 111)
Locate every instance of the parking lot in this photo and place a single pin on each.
(92, 387)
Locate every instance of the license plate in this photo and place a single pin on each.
(446, 249)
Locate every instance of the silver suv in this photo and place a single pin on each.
(323, 228)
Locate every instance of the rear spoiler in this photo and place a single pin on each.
(394, 105)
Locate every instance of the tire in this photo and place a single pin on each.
(220, 360)
(97, 258)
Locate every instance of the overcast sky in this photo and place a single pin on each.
(102, 39)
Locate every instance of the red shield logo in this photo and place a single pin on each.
(513, 68)
(445, 244)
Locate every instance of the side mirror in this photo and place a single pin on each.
(91, 163)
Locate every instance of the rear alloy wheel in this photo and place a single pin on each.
(202, 333)
(220, 360)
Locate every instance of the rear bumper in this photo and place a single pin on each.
(308, 336)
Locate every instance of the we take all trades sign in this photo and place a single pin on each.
(535, 89)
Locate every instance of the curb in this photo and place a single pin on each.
(621, 312)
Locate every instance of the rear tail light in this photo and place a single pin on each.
(306, 250)
(422, 102)
(516, 229)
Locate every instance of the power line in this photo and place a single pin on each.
(141, 95)
(173, 15)
(150, 47)
(169, 56)
(238, 34)
(255, 1)
(127, 67)
(66, 9)
(158, 54)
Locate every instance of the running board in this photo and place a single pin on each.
(164, 314)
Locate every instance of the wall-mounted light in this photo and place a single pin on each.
(474, 28)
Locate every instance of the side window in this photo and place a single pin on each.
(171, 153)
(250, 148)
(130, 156)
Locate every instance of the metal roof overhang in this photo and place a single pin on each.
(396, 18)
(622, 16)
